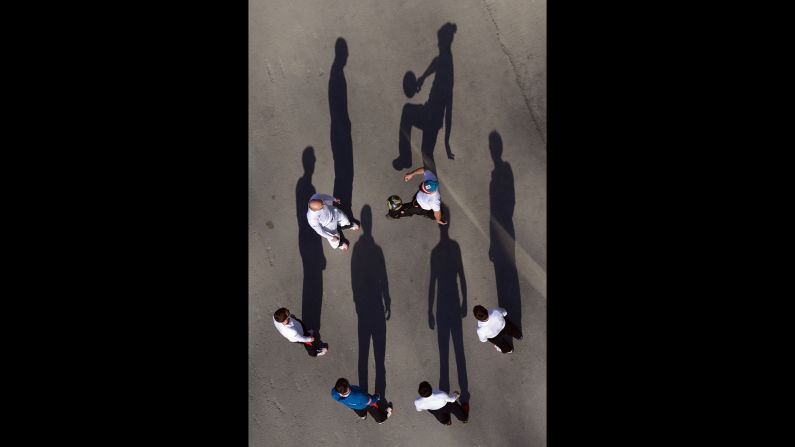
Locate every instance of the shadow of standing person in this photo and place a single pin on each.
(341, 142)
(502, 248)
(438, 108)
(310, 246)
(447, 269)
(373, 304)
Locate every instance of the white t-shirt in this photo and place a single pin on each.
(491, 327)
(435, 401)
(324, 222)
(292, 331)
(431, 201)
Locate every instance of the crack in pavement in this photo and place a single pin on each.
(516, 74)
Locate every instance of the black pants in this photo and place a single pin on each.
(501, 340)
(411, 208)
(379, 414)
(316, 345)
(443, 414)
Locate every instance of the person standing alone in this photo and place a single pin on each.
(495, 328)
(359, 401)
(325, 218)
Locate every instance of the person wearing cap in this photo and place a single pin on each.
(360, 401)
(325, 218)
(293, 330)
(428, 197)
(441, 404)
(494, 327)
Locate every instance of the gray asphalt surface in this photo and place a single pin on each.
(499, 90)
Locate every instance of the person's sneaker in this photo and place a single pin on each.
(497, 348)
(322, 352)
(355, 227)
(344, 246)
(510, 352)
(363, 417)
(388, 414)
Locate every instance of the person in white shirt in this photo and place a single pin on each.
(495, 328)
(427, 200)
(293, 330)
(325, 218)
(441, 404)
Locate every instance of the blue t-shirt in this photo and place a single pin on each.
(358, 399)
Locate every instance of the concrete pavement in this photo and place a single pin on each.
(498, 52)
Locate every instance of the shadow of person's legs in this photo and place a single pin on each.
(502, 198)
(310, 246)
(460, 360)
(341, 141)
(410, 117)
(443, 336)
(369, 283)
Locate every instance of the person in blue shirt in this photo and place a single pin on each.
(359, 401)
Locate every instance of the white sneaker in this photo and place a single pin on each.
(322, 352)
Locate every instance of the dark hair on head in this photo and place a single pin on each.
(480, 313)
(425, 389)
(342, 385)
(281, 314)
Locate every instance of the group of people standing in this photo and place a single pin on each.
(326, 216)
(327, 219)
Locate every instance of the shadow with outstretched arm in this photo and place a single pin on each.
(502, 248)
(429, 117)
(310, 245)
(447, 269)
(341, 142)
(373, 304)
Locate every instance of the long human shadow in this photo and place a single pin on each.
(341, 142)
(438, 109)
(371, 297)
(310, 246)
(447, 269)
(502, 248)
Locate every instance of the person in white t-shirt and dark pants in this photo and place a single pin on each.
(293, 330)
(441, 404)
(325, 219)
(495, 328)
(427, 200)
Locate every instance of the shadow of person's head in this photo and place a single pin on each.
(445, 35)
(366, 218)
(308, 160)
(495, 146)
(340, 52)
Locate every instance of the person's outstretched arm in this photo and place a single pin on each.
(420, 170)
(431, 69)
